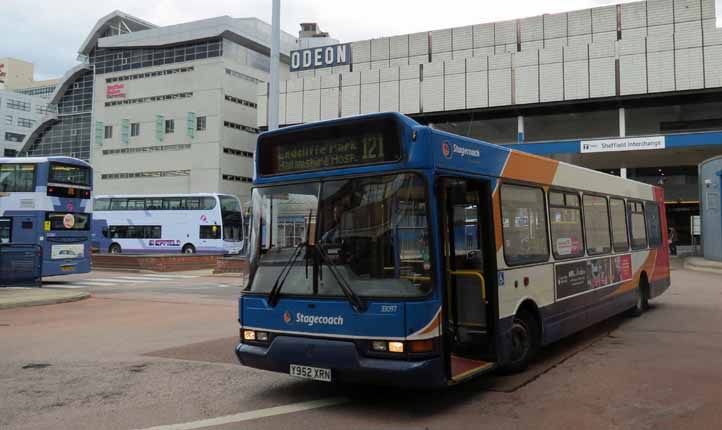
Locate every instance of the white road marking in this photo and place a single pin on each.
(252, 415)
(171, 276)
(143, 278)
(97, 284)
(66, 286)
(121, 281)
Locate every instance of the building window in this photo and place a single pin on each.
(565, 219)
(169, 126)
(18, 105)
(201, 123)
(135, 129)
(146, 149)
(10, 152)
(524, 224)
(596, 224)
(238, 152)
(240, 75)
(240, 127)
(154, 174)
(108, 132)
(115, 60)
(237, 178)
(149, 74)
(8, 120)
(150, 99)
(573, 125)
(241, 101)
(24, 122)
(14, 137)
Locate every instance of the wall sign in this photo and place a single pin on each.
(115, 91)
(323, 56)
(623, 144)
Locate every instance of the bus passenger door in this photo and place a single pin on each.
(468, 259)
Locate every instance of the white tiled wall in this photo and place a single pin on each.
(665, 45)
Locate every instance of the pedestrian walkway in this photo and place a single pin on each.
(121, 280)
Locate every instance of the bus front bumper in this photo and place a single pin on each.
(344, 360)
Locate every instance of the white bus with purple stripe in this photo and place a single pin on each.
(168, 223)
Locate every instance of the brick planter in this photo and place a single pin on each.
(155, 263)
(231, 265)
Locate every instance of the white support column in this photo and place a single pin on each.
(275, 65)
(622, 133)
(520, 128)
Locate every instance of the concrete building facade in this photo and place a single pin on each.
(644, 78)
(164, 109)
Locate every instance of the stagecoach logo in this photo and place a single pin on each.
(446, 150)
(450, 150)
(204, 218)
(311, 320)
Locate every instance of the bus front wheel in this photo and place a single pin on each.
(524, 341)
(188, 249)
(115, 249)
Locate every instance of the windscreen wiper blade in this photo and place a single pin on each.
(356, 302)
(281, 278)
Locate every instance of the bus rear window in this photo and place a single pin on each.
(69, 174)
(67, 221)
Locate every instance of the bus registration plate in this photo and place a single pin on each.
(308, 372)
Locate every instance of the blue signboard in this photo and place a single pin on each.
(322, 56)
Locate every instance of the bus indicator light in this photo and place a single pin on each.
(421, 345)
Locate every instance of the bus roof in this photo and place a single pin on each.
(38, 160)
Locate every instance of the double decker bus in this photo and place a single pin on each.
(163, 223)
(422, 258)
(45, 201)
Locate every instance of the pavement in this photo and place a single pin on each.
(703, 265)
(157, 354)
(15, 297)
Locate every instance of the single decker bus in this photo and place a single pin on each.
(389, 252)
(45, 201)
(168, 223)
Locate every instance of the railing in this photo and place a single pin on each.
(20, 265)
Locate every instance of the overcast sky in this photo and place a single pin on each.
(49, 32)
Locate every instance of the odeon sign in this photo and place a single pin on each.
(323, 56)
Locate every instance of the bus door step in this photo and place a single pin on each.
(462, 368)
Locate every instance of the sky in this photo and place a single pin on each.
(49, 32)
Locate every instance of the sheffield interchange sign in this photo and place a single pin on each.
(323, 56)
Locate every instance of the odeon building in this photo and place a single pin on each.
(631, 89)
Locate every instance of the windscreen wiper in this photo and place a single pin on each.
(356, 302)
(281, 278)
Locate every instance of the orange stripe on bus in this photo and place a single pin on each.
(530, 168)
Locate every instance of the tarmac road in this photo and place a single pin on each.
(156, 353)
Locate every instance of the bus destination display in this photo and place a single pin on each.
(326, 154)
(370, 142)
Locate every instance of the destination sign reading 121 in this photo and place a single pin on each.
(363, 149)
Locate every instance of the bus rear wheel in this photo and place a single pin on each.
(524, 341)
(642, 300)
(115, 249)
(188, 249)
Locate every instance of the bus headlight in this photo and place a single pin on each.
(387, 346)
(396, 347)
(255, 336)
(249, 335)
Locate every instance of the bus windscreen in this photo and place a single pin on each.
(332, 146)
(69, 174)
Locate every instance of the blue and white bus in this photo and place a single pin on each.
(45, 201)
(168, 223)
(385, 251)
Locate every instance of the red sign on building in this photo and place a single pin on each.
(115, 91)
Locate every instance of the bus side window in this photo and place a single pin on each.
(524, 224)
(5, 229)
(639, 232)
(654, 228)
